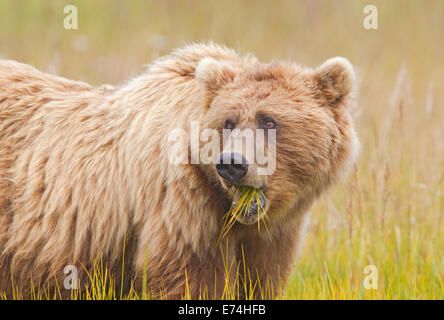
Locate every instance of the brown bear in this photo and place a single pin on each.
(86, 173)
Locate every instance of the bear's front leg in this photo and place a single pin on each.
(186, 274)
(267, 259)
(212, 276)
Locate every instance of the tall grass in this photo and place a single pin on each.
(390, 211)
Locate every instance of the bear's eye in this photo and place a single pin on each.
(267, 124)
(229, 124)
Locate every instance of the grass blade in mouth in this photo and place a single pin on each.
(243, 199)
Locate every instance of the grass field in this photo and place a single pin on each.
(389, 213)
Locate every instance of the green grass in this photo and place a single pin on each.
(389, 212)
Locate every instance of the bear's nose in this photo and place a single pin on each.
(232, 167)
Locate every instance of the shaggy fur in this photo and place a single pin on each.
(84, 171)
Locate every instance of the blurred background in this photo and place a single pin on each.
(390, 212)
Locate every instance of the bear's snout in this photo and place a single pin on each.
(232, 167)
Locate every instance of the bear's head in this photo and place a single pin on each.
(300, 118)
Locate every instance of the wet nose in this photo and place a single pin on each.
(232, 167)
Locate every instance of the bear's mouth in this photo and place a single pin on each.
(248, 204)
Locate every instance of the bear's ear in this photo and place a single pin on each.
(335, 80)
(213, 74)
